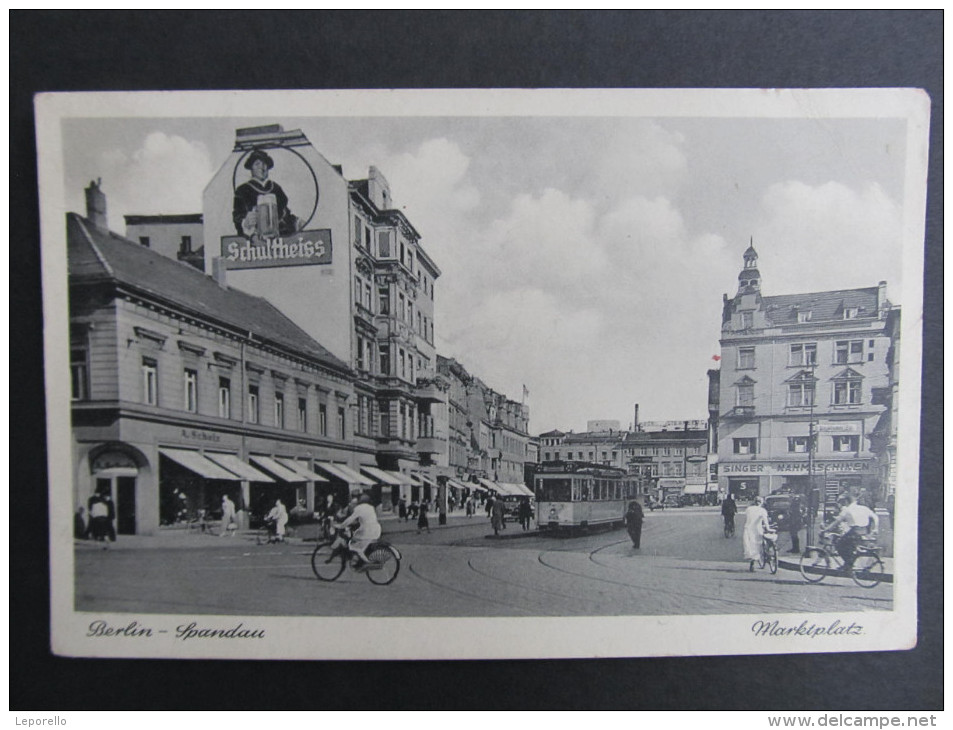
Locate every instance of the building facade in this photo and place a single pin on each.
(179, 237)
(798, 378)
(184, 390)
(487, 433)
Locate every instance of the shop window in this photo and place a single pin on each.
(150, 381)
(191, 391)
(224, 398)
(846, 443)
(253, 404)
(79, 373)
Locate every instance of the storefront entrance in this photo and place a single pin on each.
(115, 474)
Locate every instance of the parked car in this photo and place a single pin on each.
(672, 501)
(778, 506)
(654, 504)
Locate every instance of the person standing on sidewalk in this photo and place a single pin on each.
(795, 520)
(402, 510)
(422, 522)
(497, 517)
(228, 516)
(524, 512)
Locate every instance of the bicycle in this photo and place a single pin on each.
(268, 533)
(769, 551)
(729, 525)
(328, 562)
(817, 561)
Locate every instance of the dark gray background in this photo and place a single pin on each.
(56, 50)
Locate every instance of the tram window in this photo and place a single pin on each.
(554, 490)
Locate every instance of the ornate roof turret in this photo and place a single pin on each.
(749, 280)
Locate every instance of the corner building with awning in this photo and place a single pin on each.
(185, 389)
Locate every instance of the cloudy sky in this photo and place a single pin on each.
(583, 257)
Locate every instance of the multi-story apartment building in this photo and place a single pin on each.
(184, 389)
(799, 375)
(345, 264)
(668, 457)
(670, 460)
(487, 432)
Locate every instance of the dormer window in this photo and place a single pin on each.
(804, 316)
(850, 312)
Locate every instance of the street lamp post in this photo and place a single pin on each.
(813, 495)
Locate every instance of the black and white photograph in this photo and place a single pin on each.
(483, 374)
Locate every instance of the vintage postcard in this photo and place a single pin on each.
(482, 374)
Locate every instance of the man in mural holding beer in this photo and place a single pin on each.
(261, 206)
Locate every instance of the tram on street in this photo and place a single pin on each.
(575, 496)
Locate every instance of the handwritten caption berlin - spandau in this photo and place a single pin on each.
(777, 629)
(183, 632)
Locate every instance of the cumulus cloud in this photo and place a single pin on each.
(176, 169)
(833, 235)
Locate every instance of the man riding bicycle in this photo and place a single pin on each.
(368, 530)
(856, 521)
(729, 508)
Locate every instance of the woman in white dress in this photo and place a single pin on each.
(280, 516)
(756, 524)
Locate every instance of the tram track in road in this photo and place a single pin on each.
(470, 595)
(653, 588)
(525, 587)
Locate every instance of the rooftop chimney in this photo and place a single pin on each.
(219, 272)
(96, 204)
(635, 422)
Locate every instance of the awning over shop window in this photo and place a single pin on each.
(391, 478)
(195, 462)
(694, 489)
(425, 480)
(458, 485)
(301, 469)
(344, 473)
(279, 470)
(499, 488)
(236, 465)
(521, 489)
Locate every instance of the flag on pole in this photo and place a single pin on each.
(525, 392)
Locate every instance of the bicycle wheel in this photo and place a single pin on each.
(868, 569)
(772, 557)
(384, 565)
(763, 555)
(814, 564)
(327, 562)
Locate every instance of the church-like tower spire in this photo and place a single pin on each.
(749, 280)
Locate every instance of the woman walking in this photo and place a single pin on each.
(756, 524)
